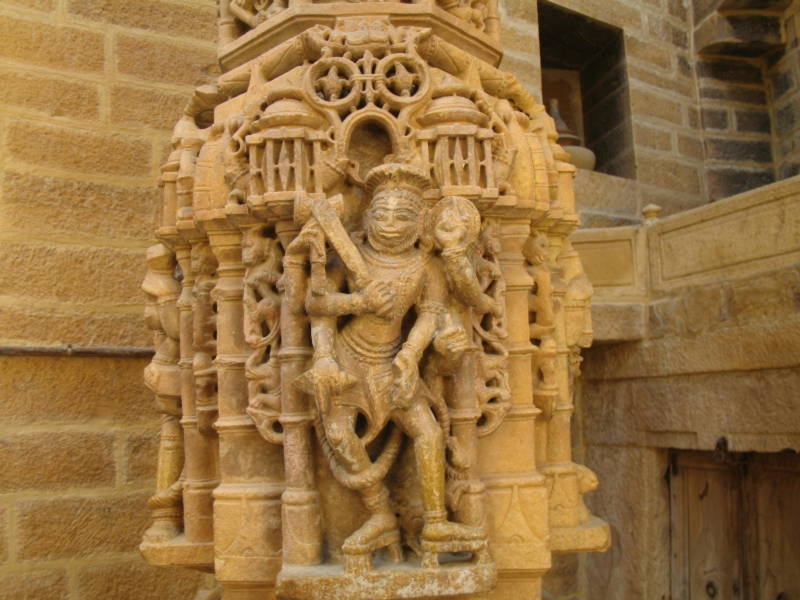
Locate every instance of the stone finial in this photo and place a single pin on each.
(651, 212)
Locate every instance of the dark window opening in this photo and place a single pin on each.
(583, 67)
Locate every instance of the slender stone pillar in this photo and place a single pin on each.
(202, 452)
(248, 557)
(516, 496)
(464, 419)
(302, 514)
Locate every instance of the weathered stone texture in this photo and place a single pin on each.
(652, 137)
(21, 275)
(81, 144)
(136, 106)
(141, 455)
(50, 96)
(49, 325)
(136, 580)
(73, 390)
(156, 60)
(41, 5)
(3, 534)
(648, 412)
(656, 106)
(618, 322)
(604, 192)
(35, 585)
(186, 20)
(563, 578)
(64, 48)
(134, 208)
(634, 499)
(682, 176)
(77, 151)
(31, 461)
(77, 526)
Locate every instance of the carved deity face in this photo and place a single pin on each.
(537, 250)
(452, 228)
(393, 224)
(254, 248)
(203, 261)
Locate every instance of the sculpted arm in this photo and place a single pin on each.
(249, 17)
(333, 303)
(375, 297)
(428, 326)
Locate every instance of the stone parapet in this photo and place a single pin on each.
(699, 315)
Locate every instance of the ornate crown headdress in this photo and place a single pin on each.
(397, 176)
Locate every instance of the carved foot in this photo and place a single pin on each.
(380, 531)
(445, 536)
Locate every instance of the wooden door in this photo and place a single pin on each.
(775, 515)
(735, 526)
(707, 548)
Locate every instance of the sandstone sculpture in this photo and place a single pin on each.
(374, 389)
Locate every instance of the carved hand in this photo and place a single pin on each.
(498, 308)
(258, 18)
(453, 341)
(406, 379)
(309, 240)
(378, 298)
(327, 382)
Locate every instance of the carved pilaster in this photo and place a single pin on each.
(251, 471)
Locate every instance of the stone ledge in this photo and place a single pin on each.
(754, 232)
(180, 553)
(387, 581)
(740, 35)
(592, 536)
(293, 21)
(624, 322)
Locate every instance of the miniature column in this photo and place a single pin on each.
(247, 501)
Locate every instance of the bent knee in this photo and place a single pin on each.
(335, 434)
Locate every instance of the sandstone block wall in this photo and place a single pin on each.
(89, 91)
(784, 81)
(709, 118)
(716, 293)
(663, 110)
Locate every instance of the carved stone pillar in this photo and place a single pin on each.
(202, 451)
(380, 381)
(517, 498)
(301, 506)
(247, 501)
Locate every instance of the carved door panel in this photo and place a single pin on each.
(707, 549)
(735, 526)
(774, 514)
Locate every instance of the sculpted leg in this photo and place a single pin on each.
(438, 534)
(380, 530)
